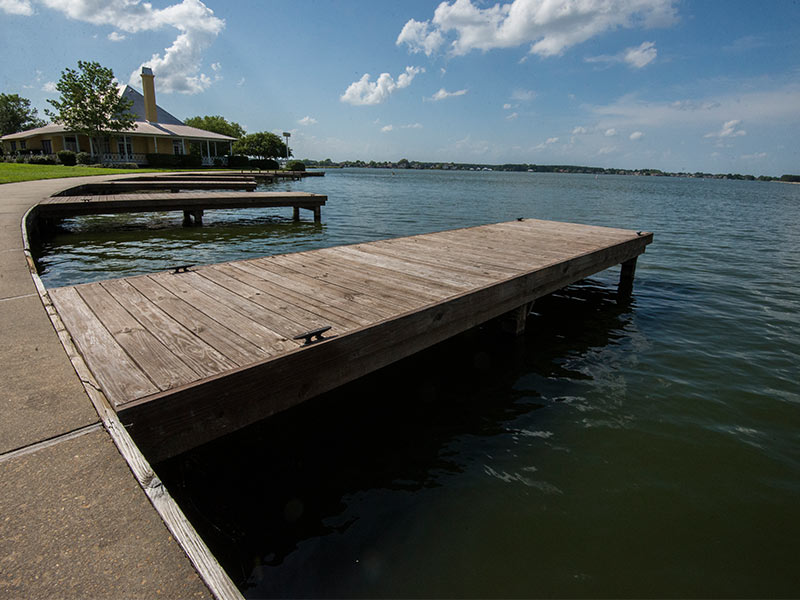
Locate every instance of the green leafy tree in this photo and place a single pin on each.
(90, 103)
(261, 145)
(16, 114)
(217, 124)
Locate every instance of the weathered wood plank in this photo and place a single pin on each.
(226, 341)
(119, 376)
(164, 368)
(196, 353)
(218, 403)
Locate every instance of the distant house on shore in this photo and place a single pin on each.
(155, 131)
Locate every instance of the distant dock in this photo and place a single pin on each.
(191, 354)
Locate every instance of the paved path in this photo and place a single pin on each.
(74, 521)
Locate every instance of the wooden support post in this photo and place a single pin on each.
(187, 218)
(198, 217)
(295, 213)
(625, 288)
(317, 214)
(514, 321)
(192, 217)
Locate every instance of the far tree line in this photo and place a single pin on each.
(107, 111)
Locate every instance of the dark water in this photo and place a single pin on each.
(649, 450)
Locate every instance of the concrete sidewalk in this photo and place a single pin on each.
(74, 521)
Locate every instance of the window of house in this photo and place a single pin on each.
(13, 146)
(177, 147)
(47, 146)
(124, 146)
(70, 143)
(23, 145)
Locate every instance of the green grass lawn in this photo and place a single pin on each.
(12, 172)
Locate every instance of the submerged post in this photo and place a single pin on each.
(625, 288)
(513, 322)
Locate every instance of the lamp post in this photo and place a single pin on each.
(287, 135)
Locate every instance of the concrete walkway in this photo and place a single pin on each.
(74, 520)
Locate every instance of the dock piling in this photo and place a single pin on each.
(625, 288)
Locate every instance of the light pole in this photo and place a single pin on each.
(287, 135)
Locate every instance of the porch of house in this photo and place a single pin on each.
(123, 148)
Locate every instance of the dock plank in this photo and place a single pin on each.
(120, 377)
(385, 300)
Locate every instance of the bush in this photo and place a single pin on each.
(168, 161)
(20, 159)
(40, 159)
(295, 165)
(83, 158)
(264, 163)
(218, 162)
(66, 158)
(127, 165)
(237, 161)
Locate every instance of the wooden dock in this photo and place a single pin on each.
(184, 357)
(191, 203)
(172, 184)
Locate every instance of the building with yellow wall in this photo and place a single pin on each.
(154, 131)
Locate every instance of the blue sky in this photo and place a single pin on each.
(675, 85)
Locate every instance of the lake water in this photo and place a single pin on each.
(643, 450)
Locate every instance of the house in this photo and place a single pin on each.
(154, 131)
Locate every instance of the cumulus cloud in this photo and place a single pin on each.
(387, 128)
(551, 140)
(755, 156)
(512, 116)
(580, 130)
(443, 93)
(549, 27)
(506, 106)
(729, 129)
(240, 83)
(49, 87)
(636, 57)
(307, 120)
(178, 68)
(636, 135)
(17, 7)
(610, 132)
(366, 92)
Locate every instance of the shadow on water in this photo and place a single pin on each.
(255, 496)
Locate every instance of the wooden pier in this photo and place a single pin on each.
(172, 184)
(186, 356)
(193, 204)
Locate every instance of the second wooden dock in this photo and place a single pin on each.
(184, 357)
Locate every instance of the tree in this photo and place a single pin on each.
(16, 114)
(217, 124)
(90, 103)
(261, 145)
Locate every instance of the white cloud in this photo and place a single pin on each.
(178, 69)
(580, 130)
(636, 135)
(307, 120)
(412, 126)
(387, 128)
(610, 132)
(17, 7)
(729, 129)
(636, 57)
(606, 150)
(116, 36)
(512, 116)
(443, 93)
(49, 87)
(506, 106)
(365, 92)
(549, 26)
(551, 140)
(640, 56)
(523, 95)
(240, 83)
(756, 156)
(216, 66)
